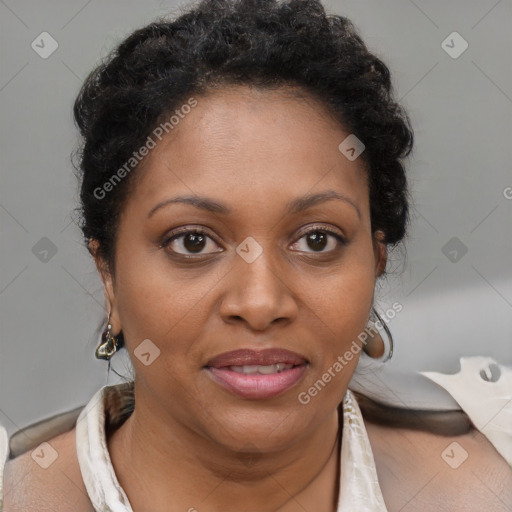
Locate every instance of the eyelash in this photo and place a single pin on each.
(186, 231)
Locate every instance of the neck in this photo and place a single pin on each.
(160, 461)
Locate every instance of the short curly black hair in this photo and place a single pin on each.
(263, 43)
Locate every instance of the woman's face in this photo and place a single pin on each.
(256, 279)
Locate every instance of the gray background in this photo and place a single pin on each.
(461, 110)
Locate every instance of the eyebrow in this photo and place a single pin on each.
(292, 207)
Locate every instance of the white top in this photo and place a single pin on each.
(482, 388)
(4, 454)
(359, 481)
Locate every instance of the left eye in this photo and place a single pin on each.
(318, 240)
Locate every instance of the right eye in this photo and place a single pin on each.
(187, 242)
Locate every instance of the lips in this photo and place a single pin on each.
(248, 357)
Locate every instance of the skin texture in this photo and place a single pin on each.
(411, 473)
(414, 477)
(253, 151)
(58, 488)
(186, 443)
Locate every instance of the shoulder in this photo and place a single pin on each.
(46, 478)
(437, 461)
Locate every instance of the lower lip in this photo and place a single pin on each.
(257, 385)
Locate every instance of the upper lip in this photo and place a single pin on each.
(264, 357)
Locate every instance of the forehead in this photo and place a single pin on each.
(250, 146)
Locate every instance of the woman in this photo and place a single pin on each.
(242, 180)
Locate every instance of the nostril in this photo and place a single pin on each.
(491, 374)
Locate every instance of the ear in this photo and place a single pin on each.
(380, 251)
(108, 286)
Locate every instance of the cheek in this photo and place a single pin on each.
(343, 297)
(343, 304)
(161, 302)
(340, 313)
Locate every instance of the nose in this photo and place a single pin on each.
(258, 294)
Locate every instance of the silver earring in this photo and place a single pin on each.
(390, 344)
